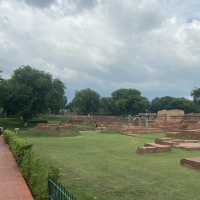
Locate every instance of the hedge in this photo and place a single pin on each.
(35, 171)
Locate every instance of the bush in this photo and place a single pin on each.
(18, 146)
(34, 170)
(37, 121)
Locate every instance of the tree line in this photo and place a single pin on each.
(130, 102)
(30, 92)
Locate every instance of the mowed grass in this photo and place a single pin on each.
(106, 167)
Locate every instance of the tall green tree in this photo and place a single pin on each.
(129, 101)
(106, 106)
(196, 95)
(4, 94)
(30, 92)
(86, 101)
(58, 99)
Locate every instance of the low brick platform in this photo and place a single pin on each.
(12, 184)
(191, 134)
(180, 141)
(157, 140)
(139, 130)
(157, 145)
(170, 143)
(173, 142)
(189, 146)
(151, 149)
(191, 162)
(54, 126)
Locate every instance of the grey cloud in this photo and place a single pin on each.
(146, 44)
(68, 6)
(84, 3)
(40, 3)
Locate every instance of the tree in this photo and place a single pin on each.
(86, 102)
(196, 95)
(4, 94)
(129, 101)
(106, 106)
(173, 103)
(30, 92)
(1, 76)
(57, 97)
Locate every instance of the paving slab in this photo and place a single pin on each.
(12, 183)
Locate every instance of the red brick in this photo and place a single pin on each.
(12, 184)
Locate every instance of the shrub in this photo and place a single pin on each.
(18, 146)
(35, 171)
(37, 121)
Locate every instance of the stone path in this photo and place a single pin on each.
(12, 184)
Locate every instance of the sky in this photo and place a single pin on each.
(150, 45)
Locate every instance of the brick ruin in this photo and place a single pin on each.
(173, 122)
(166, 144)
(53, 126)
(191, 162)
(182, 130)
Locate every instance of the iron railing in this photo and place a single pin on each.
(58, 192)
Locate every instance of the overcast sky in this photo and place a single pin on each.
(151, 45)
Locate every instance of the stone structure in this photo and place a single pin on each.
(191, 162)
(174, 122)
(166, 144)
(168, 119)
(53, 126)
(153, 148)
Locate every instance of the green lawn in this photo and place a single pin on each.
(106, 167)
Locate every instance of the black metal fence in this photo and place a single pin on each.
(58, 192)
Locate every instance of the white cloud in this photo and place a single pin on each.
(152, 45)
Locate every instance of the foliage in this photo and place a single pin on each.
(106, 105)
(18, 146)
(174, 103)
(196, 95)
(1, 76)
(86, 101)
(34, 170)
(128, 101)
(4, 91)
(36, 121)
(57, 97)
(30, 92)
(11, 123)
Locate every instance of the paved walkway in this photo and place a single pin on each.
(12, 184)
